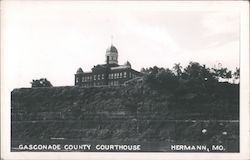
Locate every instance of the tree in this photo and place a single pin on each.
(143, 70)
(160, 78)
(166, 79)
(222, 72)
(194, 71)
(236, 74)
(151, 74)
(43, 82)
(228, 75)
(177, 69)
(151, 70)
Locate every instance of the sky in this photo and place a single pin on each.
(52, 39)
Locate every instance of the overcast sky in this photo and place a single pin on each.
(54, 39)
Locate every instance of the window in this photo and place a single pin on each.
(102, 76)
(94, 77)
(115, 83)
(124, 74)
(98, 76)
(121, 75)
(77, 80)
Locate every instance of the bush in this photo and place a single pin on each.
(43, 82)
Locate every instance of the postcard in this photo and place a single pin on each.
(124, 80)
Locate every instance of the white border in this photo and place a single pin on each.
(241, 6)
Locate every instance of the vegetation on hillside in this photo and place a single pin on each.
(42, 82)
(168, 105)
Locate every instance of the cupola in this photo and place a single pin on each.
(79, 71)
(112, 55)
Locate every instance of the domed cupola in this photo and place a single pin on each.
(112, 55)
(79, 71)
(111, 49)
(128, 64)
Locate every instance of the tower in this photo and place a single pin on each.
(112, 55)
(78, 76)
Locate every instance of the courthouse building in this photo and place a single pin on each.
(110, 73)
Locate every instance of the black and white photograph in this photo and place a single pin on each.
(96, 77)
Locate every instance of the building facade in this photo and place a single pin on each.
(110, 73)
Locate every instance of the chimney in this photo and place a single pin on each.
(107, 59)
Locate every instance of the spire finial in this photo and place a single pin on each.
(112, 38)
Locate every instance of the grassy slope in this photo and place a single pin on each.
(124, 113)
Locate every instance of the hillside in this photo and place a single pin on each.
(132, 113)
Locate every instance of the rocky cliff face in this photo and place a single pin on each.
(133, 113)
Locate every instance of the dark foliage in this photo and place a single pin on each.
(154, 110)
(43, 82)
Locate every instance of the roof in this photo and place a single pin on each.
(111, 49)
(79, 71)
(120, 67)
